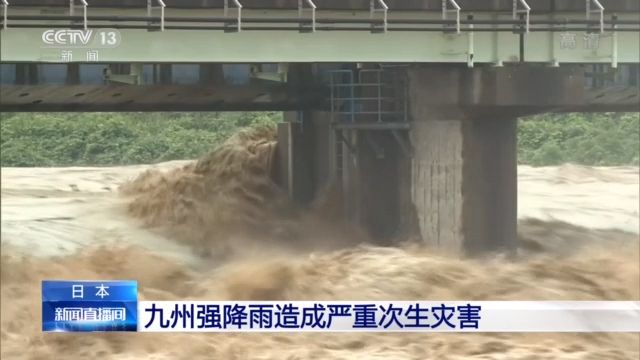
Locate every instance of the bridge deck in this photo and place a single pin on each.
(43, 35)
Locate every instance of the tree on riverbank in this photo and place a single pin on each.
(80, 139)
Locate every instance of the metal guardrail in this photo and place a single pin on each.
(161, 5)
(521, 22)
(526, 10)
(238, 6)
(5, 12)
(367, 98)
(598, 10)
(455, 9)
(373, 8)
(325, 24)
(312, 7)
(83, 5)
(370, 104)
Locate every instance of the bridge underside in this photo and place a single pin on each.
(102, 98)
(235, 87)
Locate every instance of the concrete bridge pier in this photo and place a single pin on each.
(464, 165)
(456, 187)
(464, 135)
(463, 180)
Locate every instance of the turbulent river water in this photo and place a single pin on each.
(218, 228)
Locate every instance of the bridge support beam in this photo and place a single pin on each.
(295, 157)
(304, 159)
(464, 182)
(490, 184)
(463, 173)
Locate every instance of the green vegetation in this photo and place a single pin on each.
(78, 139)
(588, 139)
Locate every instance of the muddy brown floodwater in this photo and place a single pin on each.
(218, 229)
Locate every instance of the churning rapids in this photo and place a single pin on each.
(218, 228)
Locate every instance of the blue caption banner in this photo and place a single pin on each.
(87, 306)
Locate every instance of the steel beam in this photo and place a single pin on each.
(26, 45)
(274, 36)
(116, 97)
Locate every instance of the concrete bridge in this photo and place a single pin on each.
(407, 107)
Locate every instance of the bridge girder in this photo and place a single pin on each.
(45, 35)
